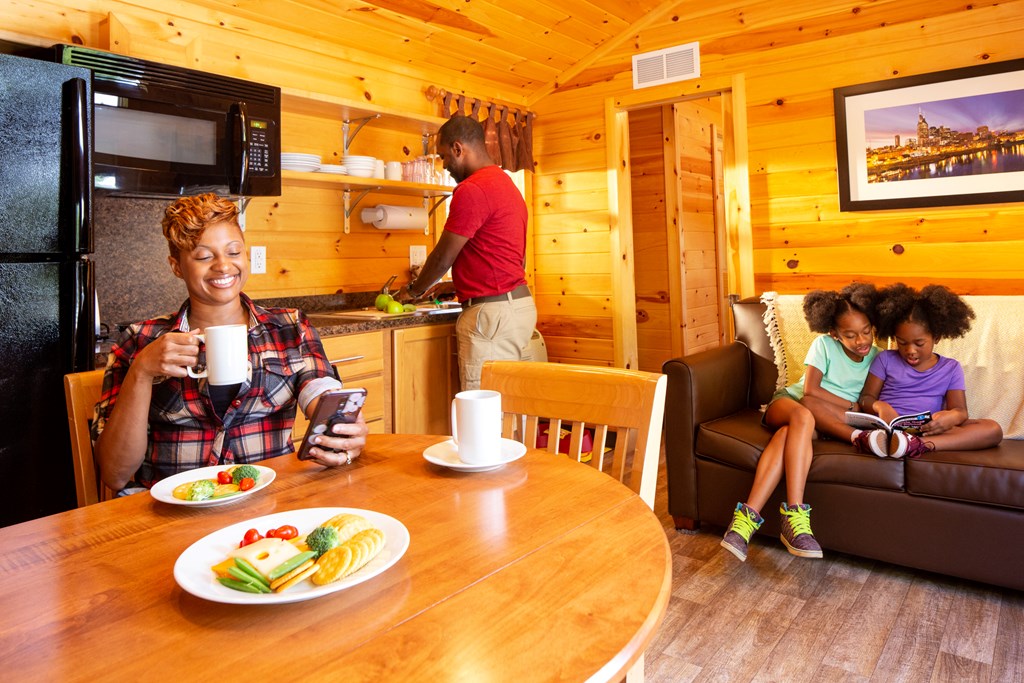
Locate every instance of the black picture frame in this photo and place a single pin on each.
(937, 172)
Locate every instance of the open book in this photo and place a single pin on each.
(910, 424)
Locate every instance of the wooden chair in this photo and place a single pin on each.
(630, 403)
(81, 392)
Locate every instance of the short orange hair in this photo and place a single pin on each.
(186, 219)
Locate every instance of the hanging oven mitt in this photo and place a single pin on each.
(491, 136)
(505, 139)
(515, 135)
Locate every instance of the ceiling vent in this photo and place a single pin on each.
(666, 66)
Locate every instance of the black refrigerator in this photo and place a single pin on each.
(47, 305)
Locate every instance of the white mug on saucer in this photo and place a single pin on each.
(227, 354)
(476, 426)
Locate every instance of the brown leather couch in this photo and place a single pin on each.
(956, 513)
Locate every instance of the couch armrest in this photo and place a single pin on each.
(701, 387)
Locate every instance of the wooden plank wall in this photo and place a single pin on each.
(801, 239)
(307, 250)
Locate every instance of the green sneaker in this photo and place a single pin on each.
(796, 531)
(745, 521)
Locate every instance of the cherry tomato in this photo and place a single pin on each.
(271, 533)
(246, 483)
(223, 477)
(251, 536)
(285, 532)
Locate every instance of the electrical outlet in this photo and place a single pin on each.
(258, 260)
(417, 255)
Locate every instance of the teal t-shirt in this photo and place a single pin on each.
(840, 375)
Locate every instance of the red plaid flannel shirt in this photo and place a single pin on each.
(289, 367)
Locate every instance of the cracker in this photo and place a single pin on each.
(347, 525)
(333, 565)
(310, 571)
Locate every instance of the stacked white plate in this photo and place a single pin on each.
(293, 161)
(360, 166)
(333, 168)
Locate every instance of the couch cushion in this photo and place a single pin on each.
(737, 440)
(994, 476)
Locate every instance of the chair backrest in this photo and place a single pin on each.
(81, 392)
(630, 403)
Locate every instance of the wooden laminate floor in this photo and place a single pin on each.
(778, 617)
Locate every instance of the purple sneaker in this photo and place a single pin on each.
(916, 446)
(796, 531)
(745, 521)
(872, 442)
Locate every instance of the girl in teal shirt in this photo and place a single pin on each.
(837, 364)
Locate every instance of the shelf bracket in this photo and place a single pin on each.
(431, 208)
(346, 124)
(350, 207)
(426, 143)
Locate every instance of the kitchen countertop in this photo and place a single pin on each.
(320, 310)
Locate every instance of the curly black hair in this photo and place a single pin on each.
(822, 307)
(940, 311)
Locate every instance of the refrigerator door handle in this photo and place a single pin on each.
(77, 164)
(84, 309)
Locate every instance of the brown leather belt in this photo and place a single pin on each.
(518, 293)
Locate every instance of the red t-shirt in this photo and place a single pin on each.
(487, 208)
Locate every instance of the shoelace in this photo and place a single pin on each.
(799, 521)
(743, 523)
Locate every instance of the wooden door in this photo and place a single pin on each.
(676, 180)
(701, 295)
(422, 364)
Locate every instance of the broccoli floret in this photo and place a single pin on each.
(201, 490)
(322, 539)
(244, 471)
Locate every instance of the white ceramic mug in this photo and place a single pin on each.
(476, 426)
(227, 354)
(393, 170)
(378, 168)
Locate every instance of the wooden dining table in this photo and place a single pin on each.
(543, 569)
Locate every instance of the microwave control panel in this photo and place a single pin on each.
(259, 146)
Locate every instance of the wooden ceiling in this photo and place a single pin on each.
(524, 50)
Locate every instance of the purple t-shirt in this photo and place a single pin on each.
(909, 391)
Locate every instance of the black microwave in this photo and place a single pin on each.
(169, 131)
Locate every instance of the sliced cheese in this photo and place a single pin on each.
(266, 554)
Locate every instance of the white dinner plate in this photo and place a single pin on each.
(193, 570)
(163, 490)
(446, 454)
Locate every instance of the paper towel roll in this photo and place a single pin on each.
(388, 217)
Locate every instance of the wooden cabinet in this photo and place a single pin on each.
(359, 360)
(425, 372)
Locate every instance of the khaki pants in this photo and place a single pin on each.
(498, 330)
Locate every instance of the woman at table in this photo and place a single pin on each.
(154, 420)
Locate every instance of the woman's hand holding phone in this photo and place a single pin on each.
(337, 430)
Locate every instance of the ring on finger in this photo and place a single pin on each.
(348, 458)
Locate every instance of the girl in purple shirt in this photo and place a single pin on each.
(914, 378)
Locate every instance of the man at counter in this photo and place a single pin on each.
(484, 243)
(154, 420)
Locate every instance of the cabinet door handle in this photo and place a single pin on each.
(347, 360)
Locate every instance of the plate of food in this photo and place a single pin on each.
(208, 486)
(291, 556)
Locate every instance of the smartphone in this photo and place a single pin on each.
(337, 405)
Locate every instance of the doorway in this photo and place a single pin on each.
(680, 276)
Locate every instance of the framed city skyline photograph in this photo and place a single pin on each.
(947, 138)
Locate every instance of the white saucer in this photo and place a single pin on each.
(446, 454)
